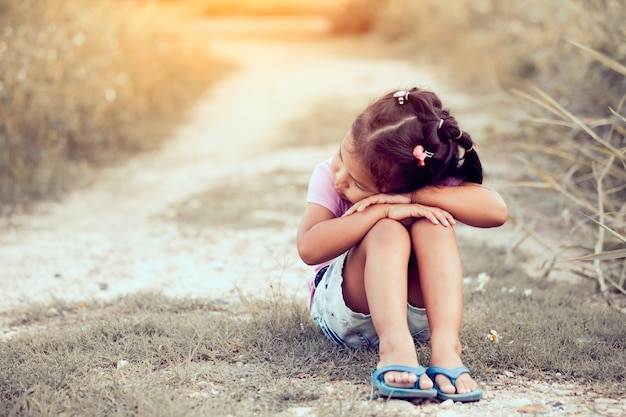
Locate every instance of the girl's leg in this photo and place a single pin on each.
(376, 282)
(440, 288)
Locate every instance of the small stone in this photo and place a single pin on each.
(122, 364)
(399, 405)
(532, 409)
(518, 402)
(448, 413)
(301, 411)
(606, 401)
(447, 404)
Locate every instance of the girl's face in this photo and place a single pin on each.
(352, 180)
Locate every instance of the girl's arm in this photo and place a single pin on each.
(470, 203)
(322, 236)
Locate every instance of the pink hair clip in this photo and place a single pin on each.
(420, 154)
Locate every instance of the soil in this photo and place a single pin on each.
(214, 212)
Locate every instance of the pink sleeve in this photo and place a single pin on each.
(322, 190)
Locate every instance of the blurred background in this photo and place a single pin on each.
(84, 85)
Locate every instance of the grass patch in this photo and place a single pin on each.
(148, 354)
(545, 329)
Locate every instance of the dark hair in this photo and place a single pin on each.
(388, 130)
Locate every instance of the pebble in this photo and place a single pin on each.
(122, 364)
(518, 402)
(561, 392)
(532, 409)
(605, 401)
(447, 404)
(399, 405)
(448, 413)
(301, 412)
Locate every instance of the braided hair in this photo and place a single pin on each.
(389, 130)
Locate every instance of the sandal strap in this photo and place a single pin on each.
(419, 370)
(452, 374)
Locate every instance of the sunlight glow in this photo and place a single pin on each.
(265, 7)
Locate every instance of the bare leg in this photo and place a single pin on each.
(441, 282)
(376, 282)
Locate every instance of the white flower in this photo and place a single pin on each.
(493, 336)
(483, 277)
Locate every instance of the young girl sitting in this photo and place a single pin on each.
(378, 226)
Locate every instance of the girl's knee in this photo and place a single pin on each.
(424, 227)
(388, 228)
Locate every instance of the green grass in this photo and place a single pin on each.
(152, 355)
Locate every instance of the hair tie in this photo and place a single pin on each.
(440, 124)
(460, 135)
(402, 96)
(420, 154)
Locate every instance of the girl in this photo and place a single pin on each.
(378, 226)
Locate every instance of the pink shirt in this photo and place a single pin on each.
(322, 192)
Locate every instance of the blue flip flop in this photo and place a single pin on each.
(378, 382)
(453, 374)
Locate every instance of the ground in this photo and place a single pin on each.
(215, 210)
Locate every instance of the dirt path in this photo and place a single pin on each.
(119, 235)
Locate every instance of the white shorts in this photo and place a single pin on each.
(346, 327)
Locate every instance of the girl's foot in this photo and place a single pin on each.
(464, 383)
(401, 353)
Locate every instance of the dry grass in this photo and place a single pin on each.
(147, 354)
(581, 136)
(567, 64)
(82, 86)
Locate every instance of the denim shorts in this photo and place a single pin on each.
(346, 327)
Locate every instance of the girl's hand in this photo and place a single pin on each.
(415, 211)
(378, 199)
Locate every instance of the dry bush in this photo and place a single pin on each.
(470, 40)
(569, 55)
(577, 127)
(85, 85)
